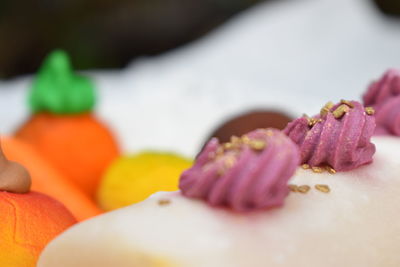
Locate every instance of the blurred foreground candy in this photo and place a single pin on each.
(28, 220)
(63, 128)
(131, 179)
(48, 180)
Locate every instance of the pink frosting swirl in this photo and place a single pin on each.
(247, 173)
(384, 96)
(338, 137)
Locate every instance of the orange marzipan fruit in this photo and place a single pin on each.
(48, 180)
(28, 222)
(78, 145)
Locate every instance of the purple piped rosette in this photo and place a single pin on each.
(384, 96)
(339, 137)
(245, 174)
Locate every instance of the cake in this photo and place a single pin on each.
(352, 225)
(322, 192)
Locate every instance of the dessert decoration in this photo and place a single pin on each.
(245, 174)
(337, 139)
(48, 180)
(131, 179)
(63, 128)
(28, 220)
(58, 90)
(250, 121)
(383, 97)
(13, 177)
(350, 225)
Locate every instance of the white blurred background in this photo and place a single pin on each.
(288, 55)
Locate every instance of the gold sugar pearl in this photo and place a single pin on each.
(370, 110)
(330, 169)
(303, 189)
(228, 146)
(235, 140)
(326, 109)
(293, 187)
(164, 202)
(305, 166)
(245, 139)
(323, 188)
(257, 144)
(340, 111)
(312, 121)
(346, 102)
(269, 133)
(320, 169)
(317, 169)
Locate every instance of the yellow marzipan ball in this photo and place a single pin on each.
(131, 179)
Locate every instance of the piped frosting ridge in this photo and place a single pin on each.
(384, 96)
(244, 174)
(338, 137)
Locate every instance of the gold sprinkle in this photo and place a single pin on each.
(326, 109)
(312, 121)
(340, 111)
(228, 146)
(347, 102)
(317, 169)
(305, 166)
(303, 189)
(235, 140)
(323, 188)
(370, 110)
(245, 139)
(293, 187)
(269, 132)
(330, 169)
(164, 202)
(257, 144)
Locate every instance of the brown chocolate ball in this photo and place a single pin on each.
(248, 121)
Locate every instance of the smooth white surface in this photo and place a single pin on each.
(291, 54)
(354, 225)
